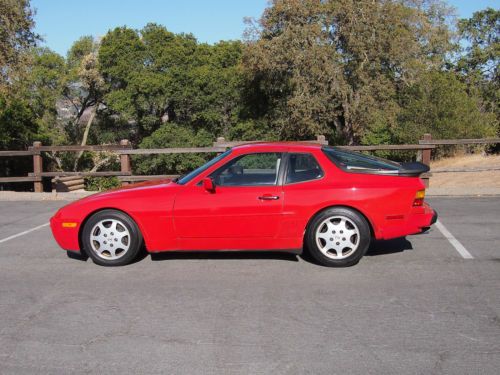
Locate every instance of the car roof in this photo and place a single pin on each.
(291, 146)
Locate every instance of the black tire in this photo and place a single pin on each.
(363, 242)
(134, 240)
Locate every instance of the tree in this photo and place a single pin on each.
(439, 104)
(481, 33)
(480, 60)
(337, 66)
(63, 95)
(16, 35)
(83, 89)
(154, 77)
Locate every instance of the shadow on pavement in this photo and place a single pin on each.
(275, 255)
(383, 247)
(376, 248)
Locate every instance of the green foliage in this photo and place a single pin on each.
(439, 104)
(172, 135)
(101, 183)
(81, 48)
(17, 125)
(336, 67)
(482, 34)
(16, 36)
(42, 86)
(480, 60)
(154, 76)
(259, 161)
(253, 130)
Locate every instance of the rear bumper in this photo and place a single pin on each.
(418, 221)
(434, 217)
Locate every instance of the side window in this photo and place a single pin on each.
(302, 167)
(249, 170)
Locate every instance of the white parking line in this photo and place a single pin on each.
(454, 242)
(23, 233)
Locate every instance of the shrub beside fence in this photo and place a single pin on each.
(124, 150)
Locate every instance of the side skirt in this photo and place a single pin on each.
(289, 251)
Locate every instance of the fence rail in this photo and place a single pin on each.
(124, 150)
(467, 141)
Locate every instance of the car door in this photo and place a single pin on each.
(244, 209)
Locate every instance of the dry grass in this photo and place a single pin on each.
(467, 179)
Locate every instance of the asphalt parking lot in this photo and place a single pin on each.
(411, 306)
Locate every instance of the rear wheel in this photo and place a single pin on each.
(111, 238)
(338, 237)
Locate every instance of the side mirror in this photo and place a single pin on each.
(208, 185)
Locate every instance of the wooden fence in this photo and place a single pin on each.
(124, 150)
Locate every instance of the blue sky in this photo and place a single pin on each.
(61, 22)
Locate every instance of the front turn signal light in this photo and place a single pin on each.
(69, 225)
(419, 198)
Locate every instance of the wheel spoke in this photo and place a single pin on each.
(330, 227)
(102, 248)
(341, 225)
(338, 250)
(349, 232)
(102, 228)
(325, 235)
(350, 241)
(99, 238)
(120, 235)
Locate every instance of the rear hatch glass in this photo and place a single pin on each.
(356, 162)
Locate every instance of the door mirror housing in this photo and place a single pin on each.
(208, 185)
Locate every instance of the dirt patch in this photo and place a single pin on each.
(466, 179)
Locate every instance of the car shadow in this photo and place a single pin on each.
(83, 256)
(384, 247)
(377, 247)
(274, 255)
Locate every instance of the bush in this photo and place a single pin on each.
(101, 183)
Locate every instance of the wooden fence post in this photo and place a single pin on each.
(125, 160)
(219, 141)
(426, 156)
(321, 139)
(37, 167)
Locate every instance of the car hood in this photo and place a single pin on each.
(136, 190)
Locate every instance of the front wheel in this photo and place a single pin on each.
(111, 238)
(338, 237)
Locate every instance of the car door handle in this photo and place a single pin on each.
(269, 197)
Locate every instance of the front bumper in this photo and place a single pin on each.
(67, 238)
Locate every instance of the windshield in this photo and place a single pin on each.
(355, 161)
(188, 177)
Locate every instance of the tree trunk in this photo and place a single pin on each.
(85, 136)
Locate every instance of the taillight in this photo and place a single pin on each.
(419, 198)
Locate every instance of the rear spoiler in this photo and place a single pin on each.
(413, 169)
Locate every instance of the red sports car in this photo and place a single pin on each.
(261, 196)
